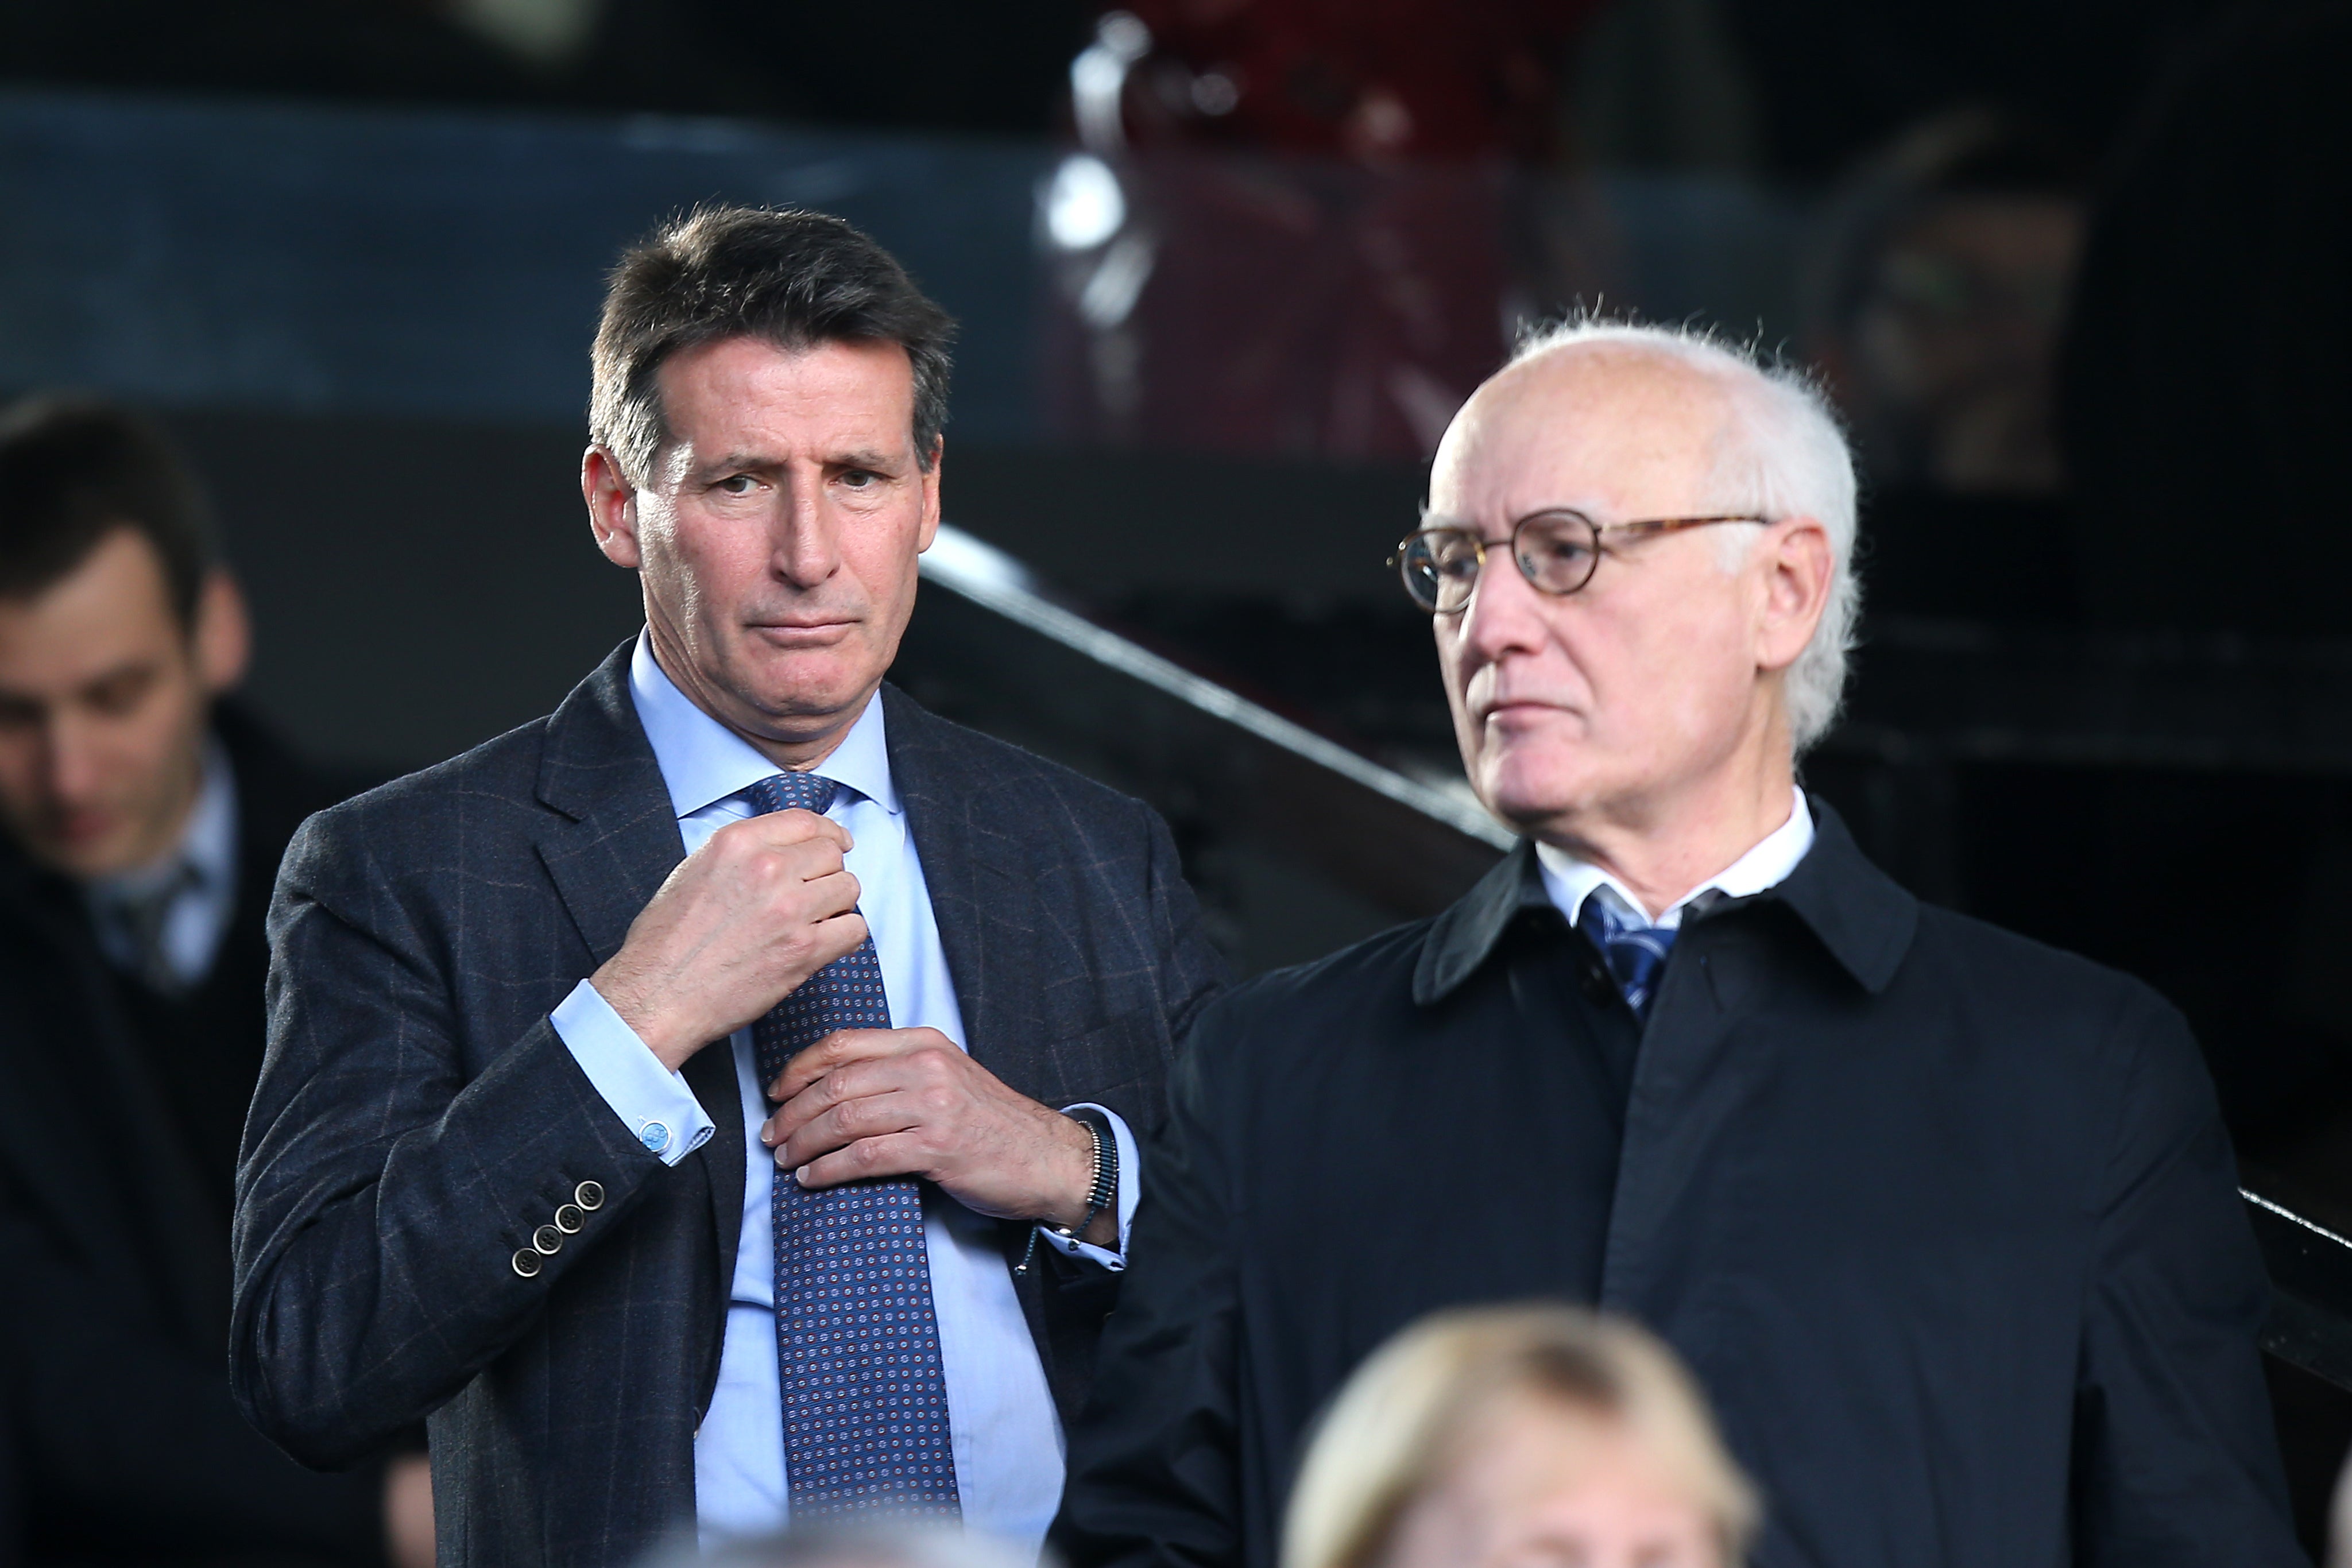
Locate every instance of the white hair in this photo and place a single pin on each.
(1781, 454)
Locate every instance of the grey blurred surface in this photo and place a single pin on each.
(246, 253)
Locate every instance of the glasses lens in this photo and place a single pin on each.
(1441, 566)
(1557, 550)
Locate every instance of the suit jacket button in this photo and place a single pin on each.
(588, 1195)
(547, 1240)
(527, 1263)
(569, 1218)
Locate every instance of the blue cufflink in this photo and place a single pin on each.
(654, 1136)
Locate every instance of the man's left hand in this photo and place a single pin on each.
(867, 1103)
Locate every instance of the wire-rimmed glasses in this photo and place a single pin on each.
(1556, 550)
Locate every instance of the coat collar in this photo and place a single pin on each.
(982, 889)
(1860, 915)
(616, 839)
(595, 749)
(621, 839)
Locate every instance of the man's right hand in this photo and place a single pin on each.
(740, 922)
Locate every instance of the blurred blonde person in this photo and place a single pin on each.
(1519, 1436)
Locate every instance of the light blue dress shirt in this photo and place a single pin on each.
(198, 918)
(1007, 1438)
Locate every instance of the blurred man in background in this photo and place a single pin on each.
(1937, 291)
(1939, 295)
(144, 822)
(1946, 1222)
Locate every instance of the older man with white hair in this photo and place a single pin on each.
(1945, 1221)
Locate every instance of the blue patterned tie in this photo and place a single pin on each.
(865, 1404)
(1635, 953)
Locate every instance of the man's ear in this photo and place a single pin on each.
(222, 632)
(1798, 567)
(611, 507)
(931, 525)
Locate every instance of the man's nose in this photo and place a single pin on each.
(805, 548)
(69, 766)
(1505, 613)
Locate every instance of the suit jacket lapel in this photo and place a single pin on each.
(982, 899)
(984, 902)
(620, 837)
(607, 861)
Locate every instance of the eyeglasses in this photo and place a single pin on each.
(1556, 551)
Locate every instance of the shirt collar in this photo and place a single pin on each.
(1859, 914)
(703, 762)
(1570, 882)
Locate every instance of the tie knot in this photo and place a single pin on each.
(1634, 952)
(144, 918)
(793, 792)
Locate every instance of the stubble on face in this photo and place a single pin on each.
(780, 533)
(102, 715)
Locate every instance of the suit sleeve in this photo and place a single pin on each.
(1193, 972)
(102, 1409)
(383, 1193)
(1154, 1459)
(2176, 1459)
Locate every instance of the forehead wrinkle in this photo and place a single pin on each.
(740, 460)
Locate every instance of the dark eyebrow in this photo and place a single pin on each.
(733, 462)
(754, 462)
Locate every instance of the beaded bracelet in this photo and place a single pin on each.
(1101, 1193)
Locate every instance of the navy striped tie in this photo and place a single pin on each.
(1634, 953)
(864, 1403)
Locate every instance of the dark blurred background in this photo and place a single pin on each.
(2079, 273)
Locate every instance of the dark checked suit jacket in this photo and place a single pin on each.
(419, 1119)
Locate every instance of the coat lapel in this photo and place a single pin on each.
(984, 904)
(607, 859)
(620, 837)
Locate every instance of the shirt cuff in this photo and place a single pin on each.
(1130, 1192)
(660, 1112)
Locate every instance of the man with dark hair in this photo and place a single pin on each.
(514, 1160)
(143, 822)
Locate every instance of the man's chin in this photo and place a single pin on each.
(1527, 798)
(803, 689)
(83, 857)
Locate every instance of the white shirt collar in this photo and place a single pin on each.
(703, 762)
(1570, 881)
